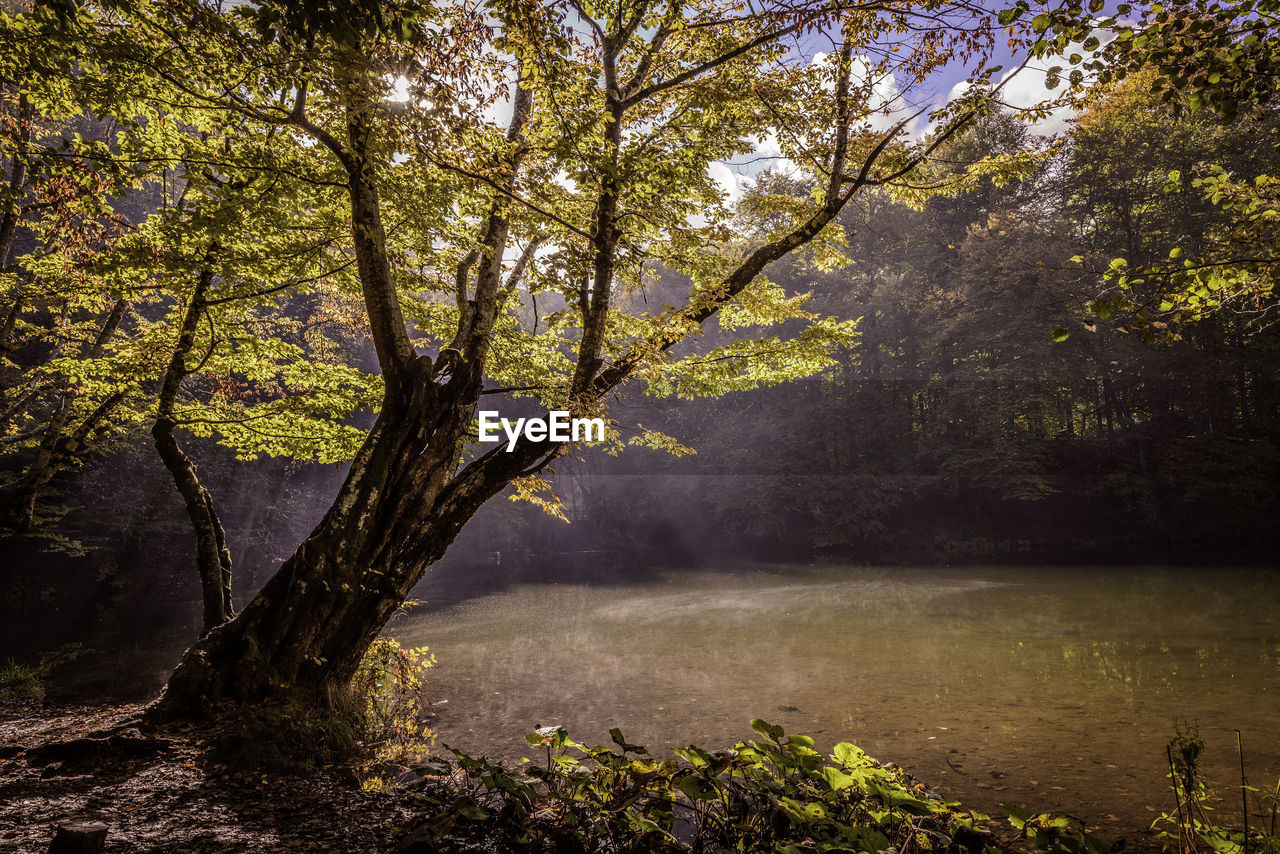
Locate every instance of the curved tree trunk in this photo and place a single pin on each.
(396, 513)
(213, 558)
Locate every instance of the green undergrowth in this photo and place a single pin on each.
(20, 681)
(1057, 832)
(773, 793)
(387, 693)
(1238, 819)
(372, 729)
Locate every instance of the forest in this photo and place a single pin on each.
(937, 352)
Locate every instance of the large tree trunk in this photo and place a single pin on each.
(397, 512)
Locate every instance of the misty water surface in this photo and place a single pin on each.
(1054, 688)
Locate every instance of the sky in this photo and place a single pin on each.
(1023, 87)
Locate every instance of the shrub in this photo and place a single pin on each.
(777, 793)
(387, 691)
(1191, 828)
(20, 682)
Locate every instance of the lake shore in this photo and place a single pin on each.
(1054, 688)
(176, 797)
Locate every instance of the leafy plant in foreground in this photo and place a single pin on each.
(1058, 832)
(388, 691)
(775, 793)
(1190, 828)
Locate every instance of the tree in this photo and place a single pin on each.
(57, 378)
(600, 174)
(1215, 59)
(203, 269)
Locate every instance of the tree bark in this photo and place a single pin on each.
(213, 558)
(17, 178)
(9, 222)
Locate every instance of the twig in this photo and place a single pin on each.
(1177, 798)
(1244, 793)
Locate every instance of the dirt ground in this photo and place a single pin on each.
(173, 798)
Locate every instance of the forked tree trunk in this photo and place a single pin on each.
(397, 512)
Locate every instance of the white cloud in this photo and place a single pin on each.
(1024, 87)
(730, 183)
(562, 178)
(1027, 90)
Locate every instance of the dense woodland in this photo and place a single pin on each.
(979, 370)
(953, 428)
(261, 264)
(956, 428)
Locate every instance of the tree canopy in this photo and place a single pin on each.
(332, 231)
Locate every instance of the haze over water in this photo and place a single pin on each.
(1055, 688)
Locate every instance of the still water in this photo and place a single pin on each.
(1056, 688)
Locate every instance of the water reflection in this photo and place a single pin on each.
(1050, 687)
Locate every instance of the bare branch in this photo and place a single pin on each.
(729, 56)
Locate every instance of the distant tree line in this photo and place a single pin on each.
(1000, 402)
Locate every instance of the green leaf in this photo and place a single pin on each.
(616, 735)
(1018, 816)
(898, 799)
(768, 730)
(836, 778)
(433, 768)
(468, 808)
(847, 754)
(697, 788)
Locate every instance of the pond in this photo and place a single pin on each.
(1054, 688)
